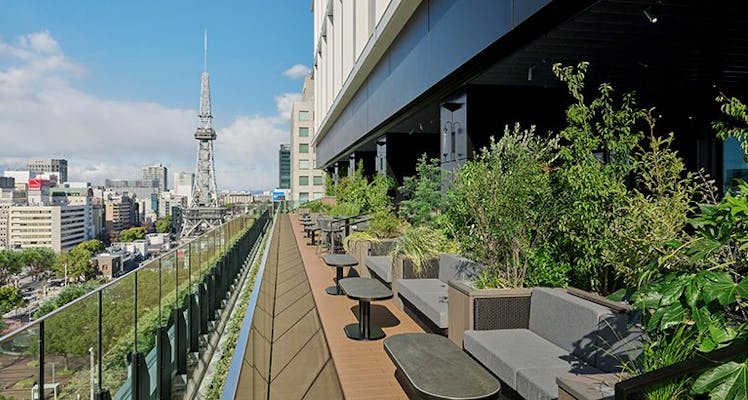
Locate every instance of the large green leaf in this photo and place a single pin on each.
(726, 382)
(743, 289)
(673, 315)
(722, 288)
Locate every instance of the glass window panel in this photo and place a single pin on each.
(303, 131)
(303, 180)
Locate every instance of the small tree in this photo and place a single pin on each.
(76, 262)
(93, 246)
(10, 264)
(500, 205)
(163, 225)
(10, 298)
(38, 259)
(424, 202)
(131, 234)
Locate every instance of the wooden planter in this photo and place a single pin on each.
(484, 309)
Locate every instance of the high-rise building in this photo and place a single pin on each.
(56, 227)
(21, 178)
(307, 182)
(183, 183)
(156, 172)
(117, 212)
(284, 166)
(59, 166)
(76, 194)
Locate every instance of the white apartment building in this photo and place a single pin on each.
(56, 227)
(307, 182)
(8, 197)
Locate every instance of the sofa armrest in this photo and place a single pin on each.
(588, 387)
(485, 309)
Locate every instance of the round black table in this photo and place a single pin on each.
(307, 225)
(338, 261)
(365, 290)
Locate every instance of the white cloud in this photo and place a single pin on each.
(297, 71)
(44, 115)
(284, 104)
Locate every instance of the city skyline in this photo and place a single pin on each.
(70, 96)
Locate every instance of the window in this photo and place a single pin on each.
(303, 196)
(303, 164)
(303, 180)
(317, 195)
(303, 131)
(317, 181)
(303, 148)
(304, 116)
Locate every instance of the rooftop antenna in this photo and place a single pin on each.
(205, 50)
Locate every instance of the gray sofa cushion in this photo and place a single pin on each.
(429, 296)
(618, 345)
(507, 351)
(540, 383)
(380, 265)
(455, 268)
(568, 321)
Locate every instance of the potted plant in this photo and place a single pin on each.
(501, 213)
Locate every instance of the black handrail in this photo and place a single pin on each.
(698, 363)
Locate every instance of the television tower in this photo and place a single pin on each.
(204, 213)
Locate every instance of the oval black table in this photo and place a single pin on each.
(338, 261)
(450, 373)
(365, 290)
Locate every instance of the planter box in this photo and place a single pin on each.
(485, 309)
(362, 248)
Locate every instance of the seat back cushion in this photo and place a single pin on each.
(619, 342)
(568, 321)
(453, 267)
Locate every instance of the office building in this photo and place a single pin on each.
(118, 209)
(396, 79)
(183, 183)
(58, 166)
(284, 166)
(56, 227)
(307, 182)
(38, 191)
(9, 196)
(157, 172)
(236, 198)
(140, 189)
(76, 194)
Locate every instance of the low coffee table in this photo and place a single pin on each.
(338, 261)
(365, 290)
(451, 373)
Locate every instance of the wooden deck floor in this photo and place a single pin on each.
(364, 370)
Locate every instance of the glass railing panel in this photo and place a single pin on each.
(19, 363)
(149, 293)
(70, 349)
(118, 323)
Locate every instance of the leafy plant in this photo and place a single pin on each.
(10, 264)
(545, 270)
(421, 244)
(423, 201)
(131, 234)
(500, 204)
(653, 213)
(10, 298)
(596, 159)
(736, 123)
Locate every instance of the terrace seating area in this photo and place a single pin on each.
(440, 339)
(300, 332)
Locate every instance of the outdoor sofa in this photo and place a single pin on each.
(566, 336)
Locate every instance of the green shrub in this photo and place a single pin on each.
(421, 244)
(500, 204)
(544, 270)
(424, 201)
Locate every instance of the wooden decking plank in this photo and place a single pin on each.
(364, 370)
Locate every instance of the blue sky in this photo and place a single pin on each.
(145, 57)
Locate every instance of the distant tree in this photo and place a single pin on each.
(39, 259)
(77, 262)
(136, 233)
(10, 298)
(163, 225)
(10, 264)
(93, 246)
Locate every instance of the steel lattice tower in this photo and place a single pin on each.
(204, 213)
